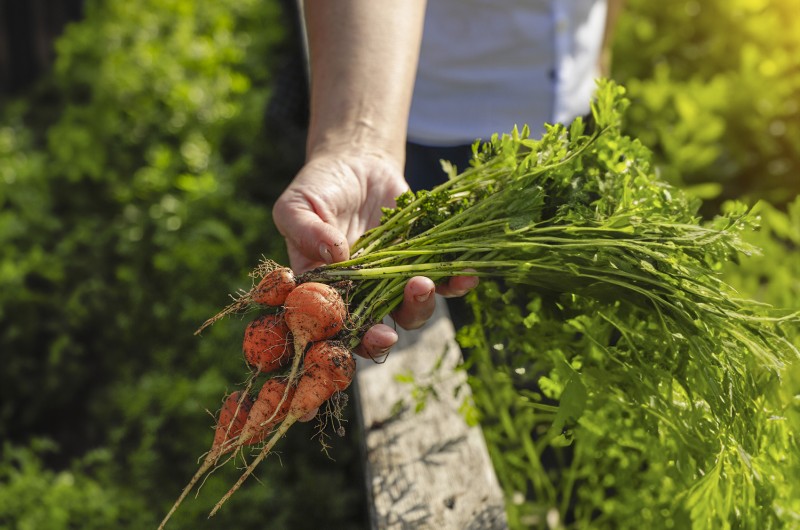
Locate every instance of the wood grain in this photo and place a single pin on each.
(425, 469)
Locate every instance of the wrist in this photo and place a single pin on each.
(360, 139)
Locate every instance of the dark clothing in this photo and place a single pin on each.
(423, 167)
(423, 172)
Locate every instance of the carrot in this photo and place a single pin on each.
(274, 287)
(312, 311)
(275, 284)
(266, 343)
(232, 418)
(265, 413)
(329, 367)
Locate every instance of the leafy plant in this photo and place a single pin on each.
(715, 91)
(33, 496)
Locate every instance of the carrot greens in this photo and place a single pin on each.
(579, 211)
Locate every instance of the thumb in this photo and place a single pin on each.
(311, 240)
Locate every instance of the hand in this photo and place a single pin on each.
(331, 202)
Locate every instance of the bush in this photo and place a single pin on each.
(715, 89)
(138, 180)
(33, 496)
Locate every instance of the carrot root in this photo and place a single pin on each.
(288, 422)
(230, 420)
(207, 464)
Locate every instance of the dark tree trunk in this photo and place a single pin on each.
(28, 29)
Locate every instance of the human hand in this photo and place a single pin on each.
(331, 202)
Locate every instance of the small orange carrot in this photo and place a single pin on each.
(265, 413)
(313, 311)
(266, 344)
(274, 287)
(329, 367)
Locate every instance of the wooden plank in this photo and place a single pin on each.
(426, 469)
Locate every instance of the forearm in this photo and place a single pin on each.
(363, 56)
(614, 8)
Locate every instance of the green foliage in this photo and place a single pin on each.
(131, 201)
(773, 274)
(583, 214)
(136, 185)
(715, 87)
(33, 496)
(596, 418)
(584, 416)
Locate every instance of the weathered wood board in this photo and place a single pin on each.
(425, 469)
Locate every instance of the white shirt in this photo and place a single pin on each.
(487, 65)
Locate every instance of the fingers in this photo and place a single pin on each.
(457, 286)
(377, 342)
(418, 300)
(311, 241)
(417, 307)
(418, 303)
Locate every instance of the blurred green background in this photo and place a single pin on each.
(140, 151)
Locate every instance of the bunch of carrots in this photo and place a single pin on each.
(298, 331)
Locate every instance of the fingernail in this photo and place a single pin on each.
(423, 297)
(325, 253)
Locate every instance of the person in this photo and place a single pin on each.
(483, 66)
